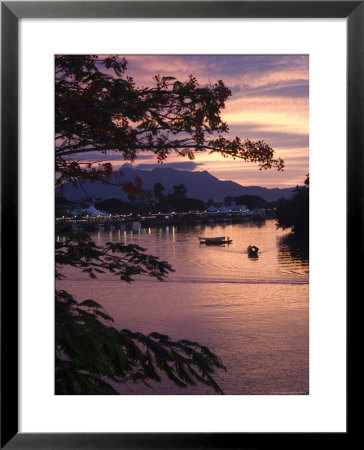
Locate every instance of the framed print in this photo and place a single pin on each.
(143, 101)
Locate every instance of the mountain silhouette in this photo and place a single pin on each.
(201, 185)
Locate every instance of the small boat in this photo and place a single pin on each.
(227, 241)
(219, 240)
(252, 251)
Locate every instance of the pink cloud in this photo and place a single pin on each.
(270, 101)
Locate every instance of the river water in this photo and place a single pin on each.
(253, 313)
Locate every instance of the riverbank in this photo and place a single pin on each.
(118, 222)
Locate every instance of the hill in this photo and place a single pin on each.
(201, 185)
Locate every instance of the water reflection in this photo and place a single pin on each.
(253, 313)
(294, 248)
(282, 257)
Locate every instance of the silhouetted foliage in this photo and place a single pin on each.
(63, 206)
(115, 356)
(98, 108)
(179, 192)
(114, 206)
(123, 261)
(250, 201)
(91, 354)
(187, 204)
(177, 200)
(158, 189)
(294, 212)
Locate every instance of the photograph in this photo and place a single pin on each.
(181, 224)
(177, 272)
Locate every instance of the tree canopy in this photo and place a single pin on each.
(99, 108)
(293, 213)
(250, 201)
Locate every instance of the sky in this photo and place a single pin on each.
(270, 102)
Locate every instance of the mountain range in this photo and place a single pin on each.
(201, 185)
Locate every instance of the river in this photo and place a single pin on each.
(253, 313)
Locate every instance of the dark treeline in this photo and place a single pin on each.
(250, 201)
(151, 201)
(293, 213)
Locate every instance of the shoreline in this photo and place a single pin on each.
(112, 223)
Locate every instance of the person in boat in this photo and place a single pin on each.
(253, 251)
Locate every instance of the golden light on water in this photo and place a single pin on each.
(252, 313)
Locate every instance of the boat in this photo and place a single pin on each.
(252, 251)
(227, 241)
(219, 240)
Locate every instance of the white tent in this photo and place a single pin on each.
(224, 208)
(92, 211)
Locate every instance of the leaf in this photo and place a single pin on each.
(90, 303)
(90, 354)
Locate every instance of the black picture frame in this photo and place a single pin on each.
(11, 12)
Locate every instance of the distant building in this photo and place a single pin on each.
(230, 208)
(90, 211)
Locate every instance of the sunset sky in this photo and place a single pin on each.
(270, 102)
